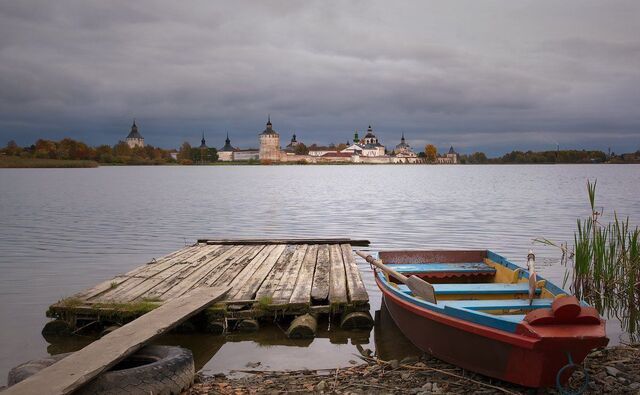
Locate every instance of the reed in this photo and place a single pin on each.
(606, 265)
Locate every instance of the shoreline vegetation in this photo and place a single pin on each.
(69, 153)
(605, 264)
(16, 162)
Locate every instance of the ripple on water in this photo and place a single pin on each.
(66, 229)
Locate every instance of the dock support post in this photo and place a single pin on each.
(248, 325)
(356, 320)
(57, 328)
(217, 327)
(303, 327)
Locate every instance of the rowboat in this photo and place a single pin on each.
(483, 319)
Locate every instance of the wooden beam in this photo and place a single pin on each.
(320, 288)
(359, 243)
(287, 283)
(72, 372)
(301, 294)
(337, 277)
(355, 286)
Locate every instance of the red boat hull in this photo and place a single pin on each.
(530, 357)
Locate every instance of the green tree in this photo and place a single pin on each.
(301, 149)
(12, 148)
(184, 154)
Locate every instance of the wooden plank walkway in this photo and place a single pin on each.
(72, 372)
(267, 278)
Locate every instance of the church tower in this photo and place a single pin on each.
(269, 143)
(134, 139)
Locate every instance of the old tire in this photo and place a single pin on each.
(157, 370)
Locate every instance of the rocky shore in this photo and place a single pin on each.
(614, 370)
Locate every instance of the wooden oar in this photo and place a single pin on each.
(531, 261)
(418, 286)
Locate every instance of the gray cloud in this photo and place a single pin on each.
(493, 75)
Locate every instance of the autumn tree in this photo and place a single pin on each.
(431, 152)
(122, 150)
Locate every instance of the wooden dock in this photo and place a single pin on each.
(284, 278)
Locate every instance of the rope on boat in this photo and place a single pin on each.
(571, 364)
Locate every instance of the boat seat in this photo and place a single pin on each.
(445, 269)
(477, 288)
(499, 304)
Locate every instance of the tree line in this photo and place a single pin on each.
(121, 153)
(69, 149)
(538, 157)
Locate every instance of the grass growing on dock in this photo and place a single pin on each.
(264, 302)
(606, 265)
(71, 302)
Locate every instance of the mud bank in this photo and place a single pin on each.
(611, 371)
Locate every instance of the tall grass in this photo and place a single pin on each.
(606, 265)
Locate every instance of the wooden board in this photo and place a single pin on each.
(270, 283)
(118, 280)
(72, 372)
(225, 275)
(290, 272)
(320, 288)
(337, 277)
(146, 281)
(355, 286)
(246, 284)
(360, 243)
(186, 280)
(301, 294)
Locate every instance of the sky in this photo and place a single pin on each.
(490, 76)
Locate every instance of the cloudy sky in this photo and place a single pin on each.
(479, 75)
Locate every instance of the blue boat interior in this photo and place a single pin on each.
(486, 289)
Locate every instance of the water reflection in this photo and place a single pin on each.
(268, 348)
(64, 230)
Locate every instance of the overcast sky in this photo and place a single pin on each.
(478, 75)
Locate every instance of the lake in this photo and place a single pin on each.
(66, 229)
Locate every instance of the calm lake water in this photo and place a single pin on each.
(63, 230)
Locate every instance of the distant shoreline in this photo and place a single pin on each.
(14, 162)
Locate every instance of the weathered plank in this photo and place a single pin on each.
(119, 279)
(270, 283)
(320, 288)
(337, 277)
(146, 281)
(225, 275)
(240, 259)
(355, 286)
(283, 291)
(361, 243)
(251, 277)
(72, 372)
(301, 294)
(186, 279)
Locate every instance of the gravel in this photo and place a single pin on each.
(614, 370)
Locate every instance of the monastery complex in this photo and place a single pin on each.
(359, 150)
